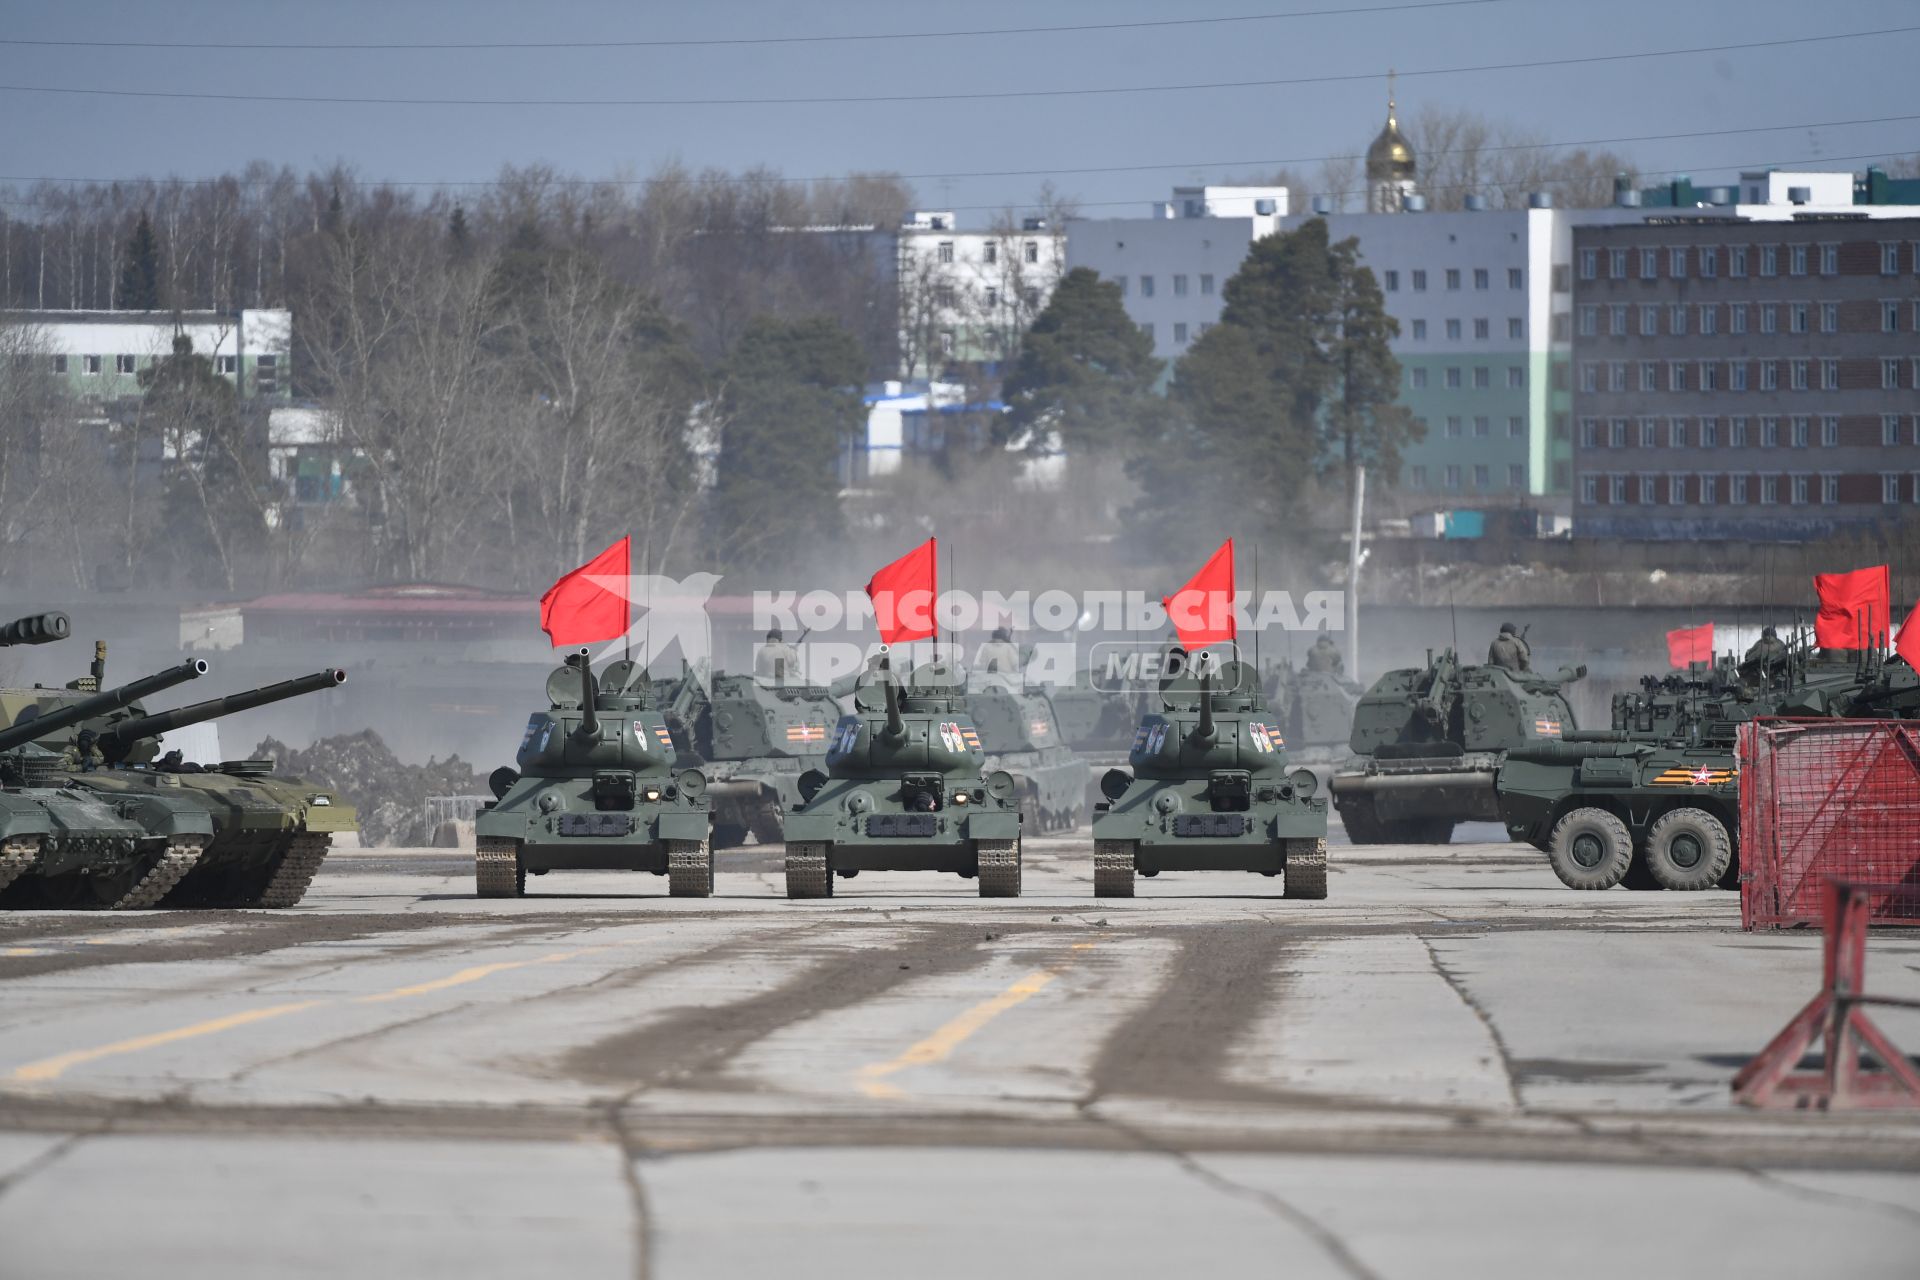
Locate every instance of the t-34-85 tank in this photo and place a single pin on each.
(752, 740)
(595, 788)
(1211, 791)
(1429, 740)
(906, 789)
(1018, 727)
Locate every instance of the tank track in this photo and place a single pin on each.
(17, 857)
(497, 872)
(1306, 871)
(807, 873)
(689, 869)
(1113, 868)
(999, 866)
(166, 873)
(296, 870)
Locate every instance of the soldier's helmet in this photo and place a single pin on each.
(1002, 633)
(1768, 633)
(1508, 629)
(774, 633)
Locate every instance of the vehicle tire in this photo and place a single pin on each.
(1306, 870)
(1730, 879)
(497, 869)
(689, 869)
(999, 867)
(729, 835)
(1590, 849)
(808, 873)
(1688, 849)
(1113, 868)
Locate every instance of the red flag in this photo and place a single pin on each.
(1689, 645)
(1202, 611)
(590, 603)
(1855, 608)
(1908, 646)
(903, 592)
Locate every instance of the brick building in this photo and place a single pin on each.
(1745, 377)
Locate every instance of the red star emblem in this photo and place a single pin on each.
(1702, 776)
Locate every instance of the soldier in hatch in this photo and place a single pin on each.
(1325, 656)
(999, 654)
(777, 662)
(1769, 652)
(1509, 649)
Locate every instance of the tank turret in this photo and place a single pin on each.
(36, 628)
(97, 705)
(123, 737)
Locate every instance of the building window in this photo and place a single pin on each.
(1890, 258)
(1419, 330)
(1589, 376)
(1709, 375)
(1889, 317)
(1829, 259)
(1797, 371)
(1709, 320)
(1797, 259)
(1737, 261)
(1889, 373)
(59, 364)
(1589, 264)
(1737, 491)
(1649, 433)
(1889, 489)
(1829, 489)
(1617, 263)
(1737, 375)
(1649, 320)
(1419, 282)
(1617, 489)
(1677, 318)
(1617, 432)
(1453, 331)
(1417, 378)
(1516, 328)
(1453, 475)
(90, 365)
(1677, 489)
(1647, 488)
(1709, 432)
(1482, 377)
(1737, 317)
(1829, 317)
(1454, 427)
(1517, 427)
(1709, 489)
(1481, 279)
(1206, 285)
(1516, 377)
(1180, 334)
(1122, 282)
(1590, 489)
(1676, 433)
(1709, 262)
(990, 252)
(1482, 476)
(1769, 433)
(1769, 375)
(1617, 319)
(1649, 264)
(1769, 318)
(1482, 426)
(1033, 251)
(1390, 278)
(1146, 286)
(943, 252)
(1737, 433)
(1515, 278)
(1829, 375)
(943, 295)
(1769, 260)
(1516, 475)
(1799, 427)
(1799, 498)
(1649, 375)
(123, 364)
(1677, 263)
(1180, 286)
(1589, 320)
(1676, 375)
(946, 340)
(1453, 379)
(1589, 433)
(1769, 490)
(1453, 279)
(1797, 318)
(993, 297)
(1482, 329)
(1616, 375)
(1829, 431)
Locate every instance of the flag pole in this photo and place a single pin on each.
(1259, 676)
(935, 605)
(626, 603)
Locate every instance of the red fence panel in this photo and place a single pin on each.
(1828, 799)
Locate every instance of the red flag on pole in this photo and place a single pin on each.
(1202, 611)
(590, 603)
(1908, 646)
(1689, 645)
(1855, 608)
(903, 594)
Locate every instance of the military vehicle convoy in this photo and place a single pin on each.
(1315, 709)
(1095, 721)
(1428, 741)
(1022, 736)
(752, 740)
(595, 787)
(1653, 802)
(1210, 790)
(905, 788)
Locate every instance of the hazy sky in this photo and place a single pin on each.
(64, 135)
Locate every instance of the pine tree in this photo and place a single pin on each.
(140, 269)
(1086, 370)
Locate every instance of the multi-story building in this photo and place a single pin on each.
(101, 354)
(1171, 265)
(966, 297)
(1748, 371)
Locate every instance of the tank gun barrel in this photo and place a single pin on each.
(36, 628)
(896, 731)
(589, 697)
(1204, 733)
(99, 704)
(124, 734)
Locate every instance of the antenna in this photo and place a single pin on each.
(953, 637)
(1453, 616)
(1258, 674)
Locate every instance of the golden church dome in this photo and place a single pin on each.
(1390, 157)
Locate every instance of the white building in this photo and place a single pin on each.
(102, 353)
(1171, 265)
(967, 296)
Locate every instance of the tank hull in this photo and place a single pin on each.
(66, 848)
(558, 827)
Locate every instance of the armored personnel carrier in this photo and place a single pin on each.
(1427, 742)
(1210, 790)
(1021, 734)
(595, 787)
(62, 846)
(1653, 802)
(752, 741)
(906, 789)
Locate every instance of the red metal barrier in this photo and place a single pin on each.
(1835, 1016)
(1828, 800)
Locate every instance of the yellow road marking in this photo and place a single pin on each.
(24, 951)
(53, 1068)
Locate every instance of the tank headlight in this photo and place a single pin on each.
(959, 797)
(651, 793)
(319, 800)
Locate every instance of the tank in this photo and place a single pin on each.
(1653, 802)
(905, 788)
(271, 832)
(67, 847)
(1317, 712)
(1211, 789)
(752, 741)
(594, 786)
(1428, 741)
(1096, 722)
(1021, 733)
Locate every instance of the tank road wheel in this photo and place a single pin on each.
(1113, 868)
(689, 869)
(999, 865)
(1306, 870)
(497, 870)
(1688, 849)
(807, 873)
(296, 871)
(1590, 849)
(17, 857)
